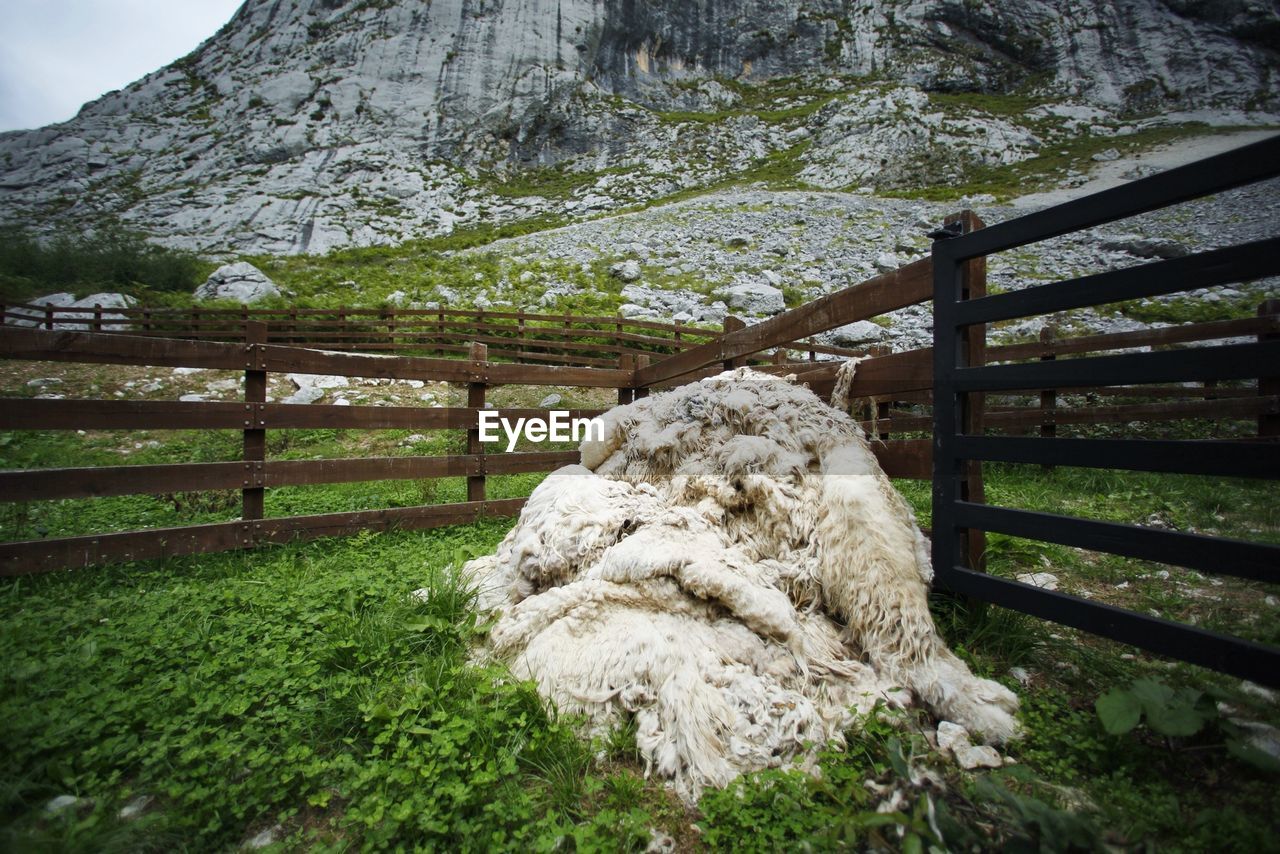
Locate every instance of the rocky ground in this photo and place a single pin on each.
(753, 252)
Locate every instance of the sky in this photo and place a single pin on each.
(55, 55)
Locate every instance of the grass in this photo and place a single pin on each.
(1049, 168)
(301, 686)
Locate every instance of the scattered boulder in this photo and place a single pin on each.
(630, 309)
(953, 739)
(61, 803)
(134, 808)
(84, 321)
(307, 394)
(1140, 171)
(301, 381)
(627, 271)
(1043, 580)
(1146, 247)
(549, 401)
(1106, 156)
(887, 262)
(265, 838)
(858, 332)
(755, 297)
(27, 317)
(241, 282)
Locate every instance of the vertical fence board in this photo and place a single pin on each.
(475, 399)
(253, 495)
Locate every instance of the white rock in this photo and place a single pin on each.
(84, 321)
(633, 310)
(264, 838)
(42, 382)
(1106, 156)
(858, 332)
(301, 381)
(309, 394)
(549, 401)
(952, 737)
(1253, 689)
(134, 808)
(241, 282)
(1044, 580)
(193, 398)
(978, 756)
(755, 297)
(27, 317)
(61, 803)
(627, 271)
(887, 262)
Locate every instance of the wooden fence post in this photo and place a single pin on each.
(253, 495)
(146, 320)
(974, 339)
(520, 340)
(1269, 423)
(733, 324)
(97, 317)
(642, 362)
(678, 336)
(1048, 396)
(479, 355)
(813, 354)
(882, 415)
(626, 362)
(48, 317)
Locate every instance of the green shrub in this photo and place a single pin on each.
(110, 256)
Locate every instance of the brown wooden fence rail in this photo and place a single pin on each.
(254, 473)
(254, 416)
(562, 339)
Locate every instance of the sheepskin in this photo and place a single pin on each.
(730, 566)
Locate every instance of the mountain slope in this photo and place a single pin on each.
(311, 124)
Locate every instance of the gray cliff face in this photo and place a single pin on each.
(310, 124)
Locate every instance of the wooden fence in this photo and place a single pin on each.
(519, 336)
(889, 381)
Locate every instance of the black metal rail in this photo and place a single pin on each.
(955, 380)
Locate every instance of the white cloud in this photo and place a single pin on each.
(55, 55)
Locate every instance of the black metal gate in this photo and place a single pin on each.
(955, 380)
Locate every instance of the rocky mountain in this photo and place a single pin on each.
(305, 125)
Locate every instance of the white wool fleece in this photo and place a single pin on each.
(731, 567)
